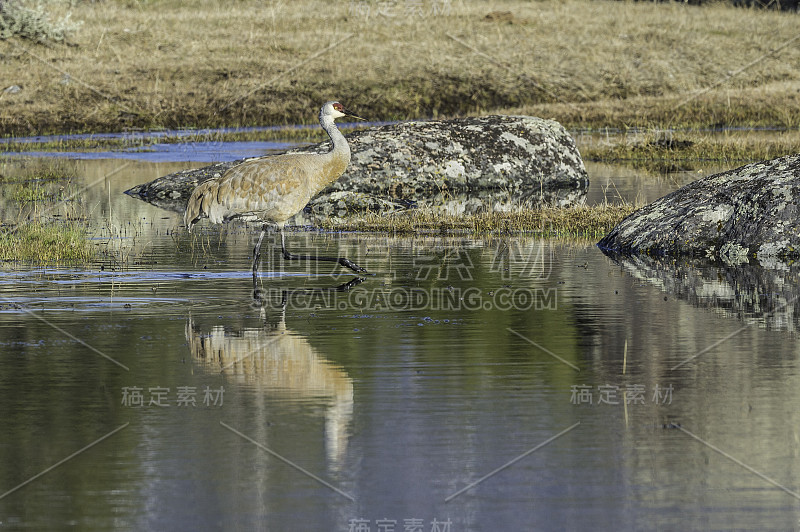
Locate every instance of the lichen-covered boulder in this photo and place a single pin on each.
(415, 161)
(747, 213)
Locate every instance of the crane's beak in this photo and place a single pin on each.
(351, 115)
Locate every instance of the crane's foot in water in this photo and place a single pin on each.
(347, 263)
(261, 301)
(342, 261)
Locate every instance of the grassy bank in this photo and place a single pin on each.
(587, 64)
(731, 146)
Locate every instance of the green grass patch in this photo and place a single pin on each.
(580, 223)
(41, 242)
(29, 188)
(27, 193)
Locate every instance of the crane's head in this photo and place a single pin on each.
(335, 110)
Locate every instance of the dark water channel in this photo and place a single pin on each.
(471, 384)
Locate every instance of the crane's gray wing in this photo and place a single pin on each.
(271, 189)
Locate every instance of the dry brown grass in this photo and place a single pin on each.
(203, 63)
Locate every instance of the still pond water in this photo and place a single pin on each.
(471, 384)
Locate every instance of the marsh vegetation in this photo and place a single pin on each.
(42, 219)
(657, 74)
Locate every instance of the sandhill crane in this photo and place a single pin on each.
(273, 189)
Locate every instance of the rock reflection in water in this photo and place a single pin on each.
(277, 361)
(750, 292)
(346, 203)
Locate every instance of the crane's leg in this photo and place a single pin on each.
(257, 255)
(340, 260)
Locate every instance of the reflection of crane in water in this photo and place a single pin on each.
(273, 189)
(276, 361)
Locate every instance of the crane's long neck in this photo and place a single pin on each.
(338, 158)
(340, 146)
